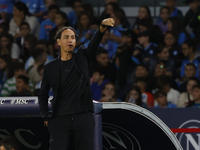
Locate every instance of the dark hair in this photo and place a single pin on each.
(115, 96)
(144, 66)
(43, 42)
(190, 43)
(64, 16)
(24, 78)
(100, 70)
(10, 142)
(191, 64)
(160, 48)
(141, 79)
(5, 26)
(164, 7)
(59, 32)
(10, 38)
(193, 79)
(9, 66)
(172, 33)
(19, 66)
(161, 62)
(37, 53)
(32, 40)
(22, 7)
(101, 50)
(72, 2)
(148, 11)
(162, 81)
(53, 6)
(138, 101)
(24, 24)
(158, 93)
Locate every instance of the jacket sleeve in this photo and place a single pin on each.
(93, 45)
(43, 95)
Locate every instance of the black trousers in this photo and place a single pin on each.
(77, 128)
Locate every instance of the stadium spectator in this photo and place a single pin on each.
(186, 97)
(10, 84)
(61, 20)
(6, 69)
(8, 47)
(20, 14)
(109, 93)
(162, 101)
(174, 11)
(48, 24)
(40, 57)
(99, 80)
(196, 97)
(164, 83)
(73, 15)
(188, 49)
(175, 25)
(135, 96)
(190, 72)
(6, 9)
(164, 14)
(4, 27)
(22, 86)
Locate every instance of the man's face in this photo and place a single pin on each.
(170, 3)
(103, 59)
(186, 50)
(52, 14)
(24, 30)
(190, 71)
(162, 100)
(20, 85)
(169, 39)
(96, 77)
(190, 85)
(164, 14)
(78, 7)
(141, 72)
(67, 41)
(196, 94)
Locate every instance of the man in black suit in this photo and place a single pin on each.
(71, 118)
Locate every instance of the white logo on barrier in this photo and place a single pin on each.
(19, 101)
(190, 140)
(118, 138)
(2, 101)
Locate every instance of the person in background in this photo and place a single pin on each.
(8, 47)
(48, 24)
(186, 97)
(24, 31)
(22, 86)
(188, 50)
(109, 93)
(174, 11)
(40, 57)
(99, 80)
(73, 15)
(20, 14)
(4, 27)
(42, 44)
(61, 20)
(164, 14)
(162, 101)
(109, 9)
(190, 72)
(6, 69)
(147, 97)
(36, 7)
(10, 84)
(164, 83)
(196, 97)
(135, 96)
(9, 143)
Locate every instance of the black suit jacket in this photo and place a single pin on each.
(80, 60)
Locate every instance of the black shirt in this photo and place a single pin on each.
(68, 102)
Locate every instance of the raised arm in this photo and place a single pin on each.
(96, 39)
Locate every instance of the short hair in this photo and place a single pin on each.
(193, 79)
(101, 50)
(161, 62)
(72, 2)
(164, 7)
(144, 66)
(162, 81)
(43, 42)
(19, 66)
(64, 16)
(158, 93)
(190, 43)
(141, 79)
(100, 70)
(24, 78)
(160, 48)
(191, 64)
(196, 86)
(24, 24)
(53, 6)
(37, 53)
(10, 142)
(59, 32)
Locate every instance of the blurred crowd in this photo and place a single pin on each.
(152, 62)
